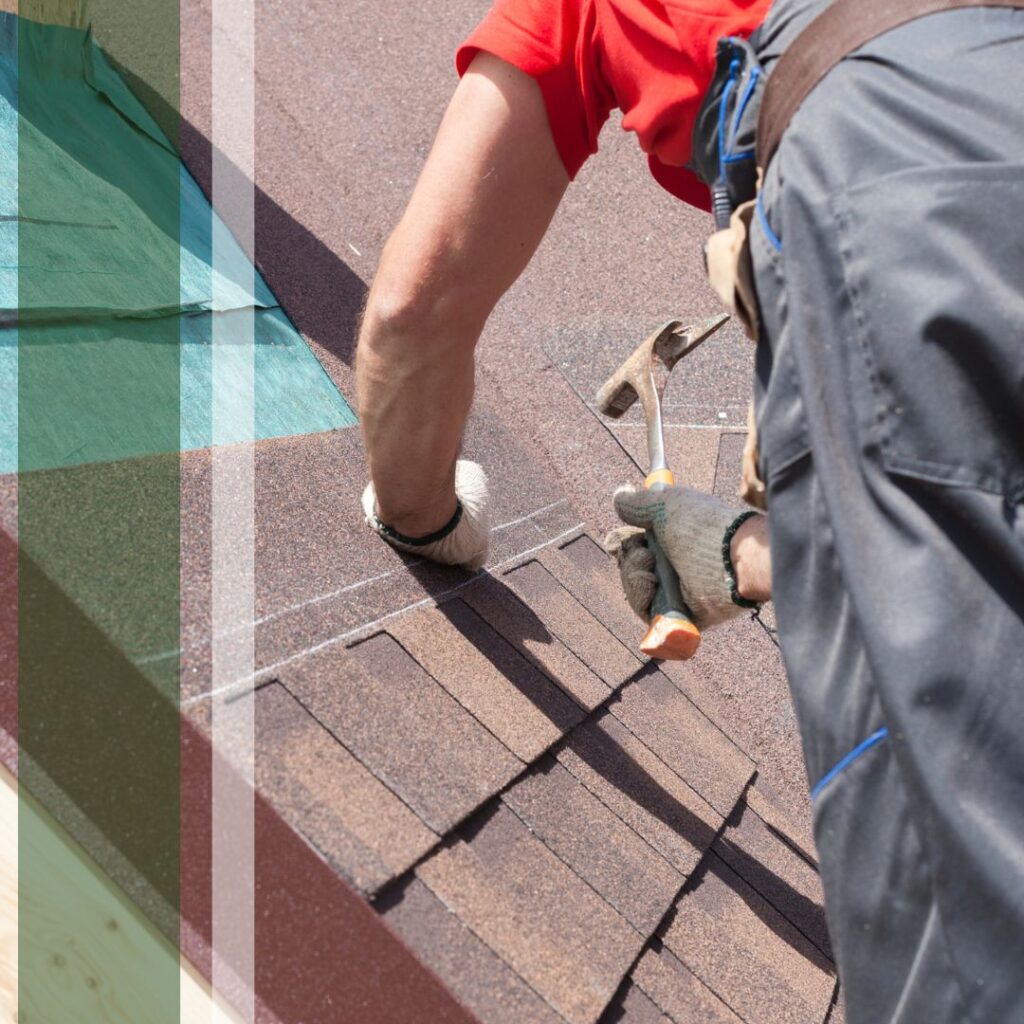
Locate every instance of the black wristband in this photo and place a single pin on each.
(730, 569)
(391, 533)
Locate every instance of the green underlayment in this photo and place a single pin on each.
(98, 239)
(108, 305)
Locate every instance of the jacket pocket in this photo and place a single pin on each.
(934, 263)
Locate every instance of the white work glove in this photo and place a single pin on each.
(465, 545)
(692, 529)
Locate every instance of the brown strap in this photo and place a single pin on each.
(841, 28)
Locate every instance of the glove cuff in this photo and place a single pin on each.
(730, 569)
(390, 533)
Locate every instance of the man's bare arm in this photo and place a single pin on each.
(486, 195)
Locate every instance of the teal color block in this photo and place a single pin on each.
(100, 240)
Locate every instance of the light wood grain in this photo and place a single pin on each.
(90, 952)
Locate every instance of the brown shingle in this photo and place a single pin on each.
(635, 1007)
(591, 576)
(692, 452)
(771, 867)
(537, 914)
(642, 790)
(662, 717)
(675, 989)
(522, 628)
(765, 802)
(837, 1012)
(480, 980)
(747, 953)
(631, 875)
(584, 635)
(509, 695)
(356, 822)
(412, 735)
(738, 680)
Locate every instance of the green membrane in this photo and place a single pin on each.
(98, 295)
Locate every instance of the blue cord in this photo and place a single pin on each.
(744, 100)
(874, 738)
(763, 218)
(733, 68)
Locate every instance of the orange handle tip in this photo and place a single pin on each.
(671, 639)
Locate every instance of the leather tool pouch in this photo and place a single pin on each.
(727, 258)
(724, 146)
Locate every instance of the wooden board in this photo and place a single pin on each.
(95, 946)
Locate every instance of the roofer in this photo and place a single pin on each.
(882, 270)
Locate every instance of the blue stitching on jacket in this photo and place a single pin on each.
(744, 99)
(875, 737)
(763, 218)
(733, 68)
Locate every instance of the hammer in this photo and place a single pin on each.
(672, 635)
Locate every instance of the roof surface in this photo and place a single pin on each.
(560, 830)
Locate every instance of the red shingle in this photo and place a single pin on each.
(412, 735)
(358, 824)
(540, 917)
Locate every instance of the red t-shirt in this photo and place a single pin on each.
(653, 59)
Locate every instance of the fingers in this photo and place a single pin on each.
(636, 567)
(638, 507)
(616, 539)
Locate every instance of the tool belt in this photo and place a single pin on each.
(738, 130)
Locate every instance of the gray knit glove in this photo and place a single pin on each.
(691, 528)
(466, 543)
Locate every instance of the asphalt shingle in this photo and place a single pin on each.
(629, 873)
(584, 635)
(642, 790)
(521, 626)
(504, 691)
(592, 578)
(635, 1007)
(746, 952)
(672, 987)
(688, 742)
(774, 870)
(359, 825)
(536, 913)
(480, 979)
(405, 728)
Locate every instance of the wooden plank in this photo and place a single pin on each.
(84, 958)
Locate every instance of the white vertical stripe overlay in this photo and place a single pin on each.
(233, 511)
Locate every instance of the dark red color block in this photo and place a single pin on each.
(8, 646)
(322, 952)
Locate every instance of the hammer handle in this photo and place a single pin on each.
(672, 636)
